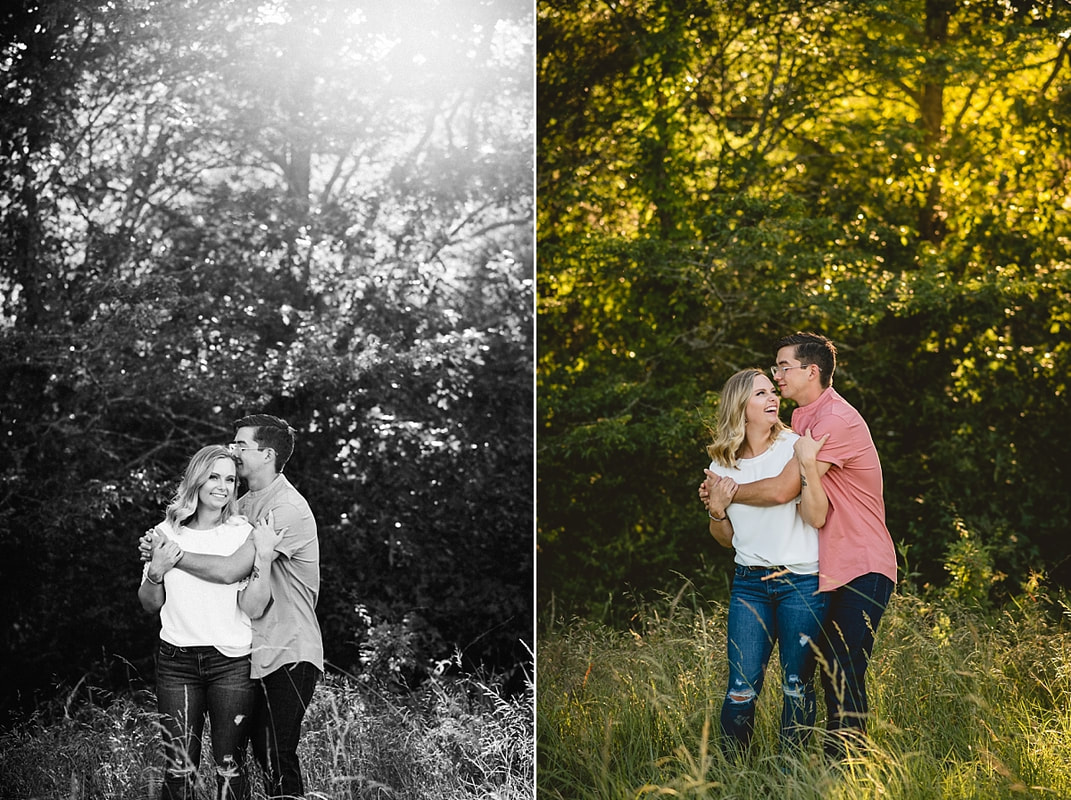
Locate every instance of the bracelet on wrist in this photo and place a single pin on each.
(717, 519)
(148, 577)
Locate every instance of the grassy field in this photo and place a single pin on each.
(966, 703)
(451, 740)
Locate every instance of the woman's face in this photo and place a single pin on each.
(219, 488)
(763, 405)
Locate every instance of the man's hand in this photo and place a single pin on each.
(145, 544)
(807, 447)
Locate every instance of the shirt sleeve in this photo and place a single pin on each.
(840, 446)
(298, 526)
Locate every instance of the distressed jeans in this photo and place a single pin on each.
(768, 606)
(855, 610)
(284, 696)
(191, 681)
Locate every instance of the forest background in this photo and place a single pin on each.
(317, 209)
(714, 174)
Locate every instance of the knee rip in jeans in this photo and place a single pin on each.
(793, 687)
(741, 696)
(184, 770)
(228, 767)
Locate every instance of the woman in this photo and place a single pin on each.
(775, 586)
(205, 638)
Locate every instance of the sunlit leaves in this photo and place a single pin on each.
(225, 208)
(716, 177)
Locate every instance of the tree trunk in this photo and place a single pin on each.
(931, 115)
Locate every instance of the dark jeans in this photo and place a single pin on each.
(855, 610)
(189, 682)
(768, 606)
(284, 697)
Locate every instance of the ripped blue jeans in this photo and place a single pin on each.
(768, 606)
(190, 682)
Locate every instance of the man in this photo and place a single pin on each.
(856, 555)
(287, 657)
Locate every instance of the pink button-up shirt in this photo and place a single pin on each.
(854, 540)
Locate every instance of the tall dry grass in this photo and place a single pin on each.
(452, 739)
(966, 703)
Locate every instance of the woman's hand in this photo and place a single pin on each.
(720, 493)
(705, 487)
(807, 447)
(165, 555)
(265, 537)
(717, 493)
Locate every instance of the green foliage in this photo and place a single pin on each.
(900, 193)
(636, 713)
(970, 568)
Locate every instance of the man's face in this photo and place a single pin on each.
(791, 376)
(251, 457)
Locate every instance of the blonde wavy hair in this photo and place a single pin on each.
(184, 504)
(728, 433)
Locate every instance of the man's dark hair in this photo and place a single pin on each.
(813, 348)
(273, 432)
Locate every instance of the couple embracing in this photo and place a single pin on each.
(235, 581)
(815, 566)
